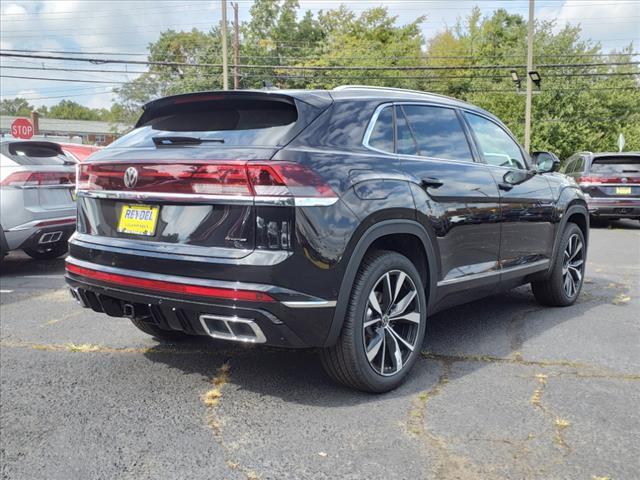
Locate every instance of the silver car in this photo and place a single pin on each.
(37, 204)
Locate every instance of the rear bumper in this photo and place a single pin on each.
(34, 235)
(276, 316)
(614, 207)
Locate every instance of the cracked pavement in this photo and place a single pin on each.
(504, 389)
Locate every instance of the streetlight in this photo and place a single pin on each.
(515, 79)
(535, 78)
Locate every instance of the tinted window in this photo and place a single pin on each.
(616, 165)
(36, 153)
(496, 146)
(579, 165)
(382, 134)
(232, 122)
(438, 132)
(569, 166)
(405, 141)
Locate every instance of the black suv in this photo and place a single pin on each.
(334, 219)
(610, 182)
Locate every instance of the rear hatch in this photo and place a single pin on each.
(44, 173)
(613, 176)
(195, 178)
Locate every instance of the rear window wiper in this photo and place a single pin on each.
(169, 141)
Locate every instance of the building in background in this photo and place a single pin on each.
(75, 131)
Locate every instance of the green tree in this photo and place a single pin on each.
(18, 107)
(580, 107)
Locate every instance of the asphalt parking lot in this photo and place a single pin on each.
(505, 389)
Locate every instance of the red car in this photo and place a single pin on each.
(79, 151)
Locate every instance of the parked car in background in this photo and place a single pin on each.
(37, 198)
(335, 219)
(610, 181)
(79, 151)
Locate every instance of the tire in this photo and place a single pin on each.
(347, 361)
(157, 332)
(563, 286)
(47, 253)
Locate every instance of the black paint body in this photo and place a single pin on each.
(469, 237)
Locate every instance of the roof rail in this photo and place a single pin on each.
(393, 89)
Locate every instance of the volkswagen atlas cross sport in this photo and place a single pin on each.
(333, 219)
(37, 207)
(610, 182)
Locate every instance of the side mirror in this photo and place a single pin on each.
(516, 177)
(545, 161)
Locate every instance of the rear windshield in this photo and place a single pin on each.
(222, 122)
(35, 153)
(616, 165)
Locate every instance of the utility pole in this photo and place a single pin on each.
(236, 46)
(225, 74)
(527, 111)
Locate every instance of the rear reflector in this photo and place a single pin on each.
(274, 179)
(37, 179)
(60, 221)
(169, 287)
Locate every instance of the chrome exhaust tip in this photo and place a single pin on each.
(75, 293)
(235, 329)
(50, 237)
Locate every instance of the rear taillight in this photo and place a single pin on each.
(36, 179)
(287, 179)
(277, 179)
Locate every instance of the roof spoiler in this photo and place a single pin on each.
(162, 106)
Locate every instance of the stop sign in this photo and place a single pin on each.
(22, 128)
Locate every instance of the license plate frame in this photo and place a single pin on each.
(143, 222)
(623, 190)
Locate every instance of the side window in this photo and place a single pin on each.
(579, 166)
(405, 140)
(568, 167)
(381, 136)
(438, 132)
(496, 146)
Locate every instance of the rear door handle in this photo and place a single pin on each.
(431, 182)
(505, 186)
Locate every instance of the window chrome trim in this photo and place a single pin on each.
(374, 119)
(370, 127)
(211, 199)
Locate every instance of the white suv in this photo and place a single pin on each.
(37, 204)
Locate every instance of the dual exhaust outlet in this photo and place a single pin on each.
(222, 327)
(50, 237)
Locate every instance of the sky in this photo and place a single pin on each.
(124, 26)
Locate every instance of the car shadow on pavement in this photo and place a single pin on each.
(496, 327)
(625, 224)
(19, 264)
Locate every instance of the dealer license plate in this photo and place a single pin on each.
(138, 219)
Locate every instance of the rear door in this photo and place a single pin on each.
(527, 206)
(181, 181)
(42, 172)
(457, 197)
(612, 176)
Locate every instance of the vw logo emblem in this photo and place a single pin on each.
(624, 180)
(130, 177)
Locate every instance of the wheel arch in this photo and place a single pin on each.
(578, 213)
(398, 235)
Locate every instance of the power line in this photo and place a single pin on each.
(61, 79)
(582, 88)
(416, 77)
(425, 57)
(319, 68)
